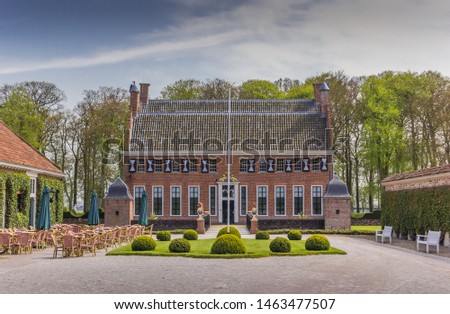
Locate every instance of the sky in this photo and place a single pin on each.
(84, 44)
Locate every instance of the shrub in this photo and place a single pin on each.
(262, 235)
(180, 245)
(228, 244)
(190, 234)
(294, 235)
(233, 230)
(280, 245)
(317, 242)
(163, 236)
(143, 243)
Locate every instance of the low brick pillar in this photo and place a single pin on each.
(254, 225)
(118, 205)
(337, 212)
(201, 225)
(446, 240)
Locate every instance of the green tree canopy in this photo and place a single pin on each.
(259, 89)
(21, 114)
(182, 89)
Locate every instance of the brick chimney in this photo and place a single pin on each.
(134, 100)
(325, 111)
(143, 99)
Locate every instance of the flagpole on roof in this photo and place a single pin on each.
(228, 158)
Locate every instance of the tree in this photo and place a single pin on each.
(182, 89)
(218, 89)
(259, 89)
(21, 115)
(304, 91)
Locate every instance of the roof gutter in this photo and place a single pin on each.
(32, 169)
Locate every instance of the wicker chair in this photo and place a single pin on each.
(57, 246)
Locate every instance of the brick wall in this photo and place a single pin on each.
(251, 180)
(337, 212)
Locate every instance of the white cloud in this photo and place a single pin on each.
(293, 38)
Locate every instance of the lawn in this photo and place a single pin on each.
(366, 228)
(201, 249)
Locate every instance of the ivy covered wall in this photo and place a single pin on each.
(57, 206)
(412, 212)
(15, 183)
(2, 199)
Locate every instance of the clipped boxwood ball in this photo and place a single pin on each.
(163, 236)
(180, 245)
(190, 234)
(294, 235)
(262, 235)
(143, 243)
(233, 230)
(228, 244)
(280, 245)
(317, 242)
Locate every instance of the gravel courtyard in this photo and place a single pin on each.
(369, 267)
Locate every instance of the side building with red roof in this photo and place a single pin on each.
(24, 172)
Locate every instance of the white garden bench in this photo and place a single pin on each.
(432, 238)
(385, 233)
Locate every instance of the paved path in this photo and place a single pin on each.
(369, 267)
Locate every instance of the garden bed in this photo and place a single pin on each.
(202, 248)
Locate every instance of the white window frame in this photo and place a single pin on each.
(181, 200)
(162, 199)
(240, 200)
(293, 199)
(275, 200)
(189, 198)
(134, 198)
(312, 200)
(257, 199)
(215, 199)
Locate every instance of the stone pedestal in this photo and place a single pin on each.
(254, 225)
(200, 225)
(446, 240)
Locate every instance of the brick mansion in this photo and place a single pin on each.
(281, 158)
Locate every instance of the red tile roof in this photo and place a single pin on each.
(418, 173)
(17, 152)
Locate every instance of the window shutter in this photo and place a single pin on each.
(185, 166)
(205, 166)
(288, 167)
(132, 166)
(167, 165)
(324, 164)
(271, 165)
(251, 165)
(305, 165)
(150, 164)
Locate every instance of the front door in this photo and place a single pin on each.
(225, 211)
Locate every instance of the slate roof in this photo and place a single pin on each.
(418, 173)
(161, 123)
(118, 190)
(337, 188)
(17, 153)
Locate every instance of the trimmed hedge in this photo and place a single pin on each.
(180, 245)
(233, 230)
(280, 245)
(228, 244)
(190, 234)
(294, 235)
(412, 212)
(317, 242)
(143, 243)
(163, 236)
(290, 223)
(262, 235)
